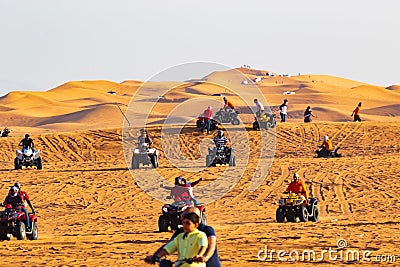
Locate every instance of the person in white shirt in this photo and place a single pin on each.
(260, 108)
(283, 110)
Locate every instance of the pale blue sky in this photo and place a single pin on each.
(45, 43)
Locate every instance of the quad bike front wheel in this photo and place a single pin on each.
(303, 214)
(235, 121)
(256, 126)
(163, 223)
(135, 162)
(154, 160)
(232, 161)
(208, 160)
(20, 231)
(39, 165)
(203, 218)
(5, 237)
(315, 216)
(280, 216)
(35, 232)
(16, 164)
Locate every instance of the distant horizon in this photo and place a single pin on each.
(42, 47)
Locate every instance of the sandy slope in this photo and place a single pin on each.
(91, 212)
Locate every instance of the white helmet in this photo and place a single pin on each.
(296, 176)
(326, 138)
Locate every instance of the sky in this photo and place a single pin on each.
(45, 43)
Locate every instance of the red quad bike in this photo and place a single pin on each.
(171, 215)
(12, 223)
(200, 123)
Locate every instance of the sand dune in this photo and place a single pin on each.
(74, 102)
(91, 212)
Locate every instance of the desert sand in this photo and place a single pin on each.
(93, 213)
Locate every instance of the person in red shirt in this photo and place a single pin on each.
(356, 112)
(24, 196)
(207, 116)
(179, 192)
(297, 186)
(229, 104)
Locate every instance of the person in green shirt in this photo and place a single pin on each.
(190, 245)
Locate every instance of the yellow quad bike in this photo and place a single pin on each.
(265, 121)
(291, 207)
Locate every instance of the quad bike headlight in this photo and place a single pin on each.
(164, 209)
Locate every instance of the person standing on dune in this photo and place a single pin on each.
(356, 112)
(283, 110)
(308, 114)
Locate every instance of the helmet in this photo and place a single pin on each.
(326, 138)
(27, 135)
(13, 191)
(209, 107)
(224, 98)
(220, 133)
(255, 100)
(296, 176)
(17, 185)
(142, 130)
(178, 180)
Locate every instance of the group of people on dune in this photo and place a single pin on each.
(283, 110)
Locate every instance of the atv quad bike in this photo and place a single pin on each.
(265, 121)
(323, 153)
(230, 116)
(171, 215)
(5, 132)
(12, 223)
(220, 155)
(144, 155)
(291, 207)
(200, 123)
(28, 157)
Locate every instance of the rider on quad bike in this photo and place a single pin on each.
(26, 142)
(327, 150)
(298, 187)
(25, 198)
(179, 193)
(228, 104)
(144, 138)
(221, 140)
(189, 186)
(16, 202)
(207, 116)
(260, 108)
